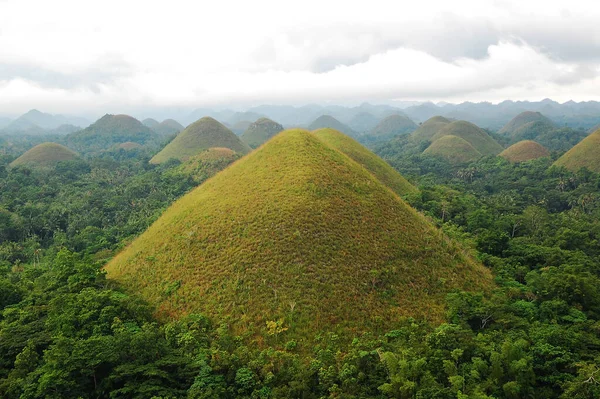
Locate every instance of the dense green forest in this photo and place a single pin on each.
(68, 332)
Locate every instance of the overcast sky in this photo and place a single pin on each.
(75, 56)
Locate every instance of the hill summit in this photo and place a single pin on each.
(453, 149)
(260, 131)
(45, 154)
(328, 121)
(299, 235)
(392, 126)
(199, 136)
(520, 122)
(472, 134)
(108, 131)
(586, 154)
(429, 128)
(525, 150)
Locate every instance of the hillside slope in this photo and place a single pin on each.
(453, 149)
(300, 233)
(199, 136)
(429, 128)
(472, 134)
(525, 150)
(586, 154)
(392, 126)
(523, 119)
(45, 154)
(260, 131)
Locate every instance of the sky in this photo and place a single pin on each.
(77, 57)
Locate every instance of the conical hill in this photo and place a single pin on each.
(586, 154)
(429, 128)
(525, 118)
(472, 134)
(525, 150)
(45, 155)
(392, 126)
(260, 131)
(453, 149)
(300, 234)
(199, 136)
(360, 154)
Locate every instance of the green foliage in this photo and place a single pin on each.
(583, 155)
(260, 132)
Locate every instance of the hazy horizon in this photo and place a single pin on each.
(90, 58)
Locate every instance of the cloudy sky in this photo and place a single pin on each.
(74, 56)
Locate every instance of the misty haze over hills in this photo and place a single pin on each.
(484, 114)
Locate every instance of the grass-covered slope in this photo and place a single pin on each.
(150, 122)
(377, 166)
(429, 128)
(328, 121)
(199, 136)
(109, 131)
(260, 131)
(45, 154)
(472, 134)
(524, 118)
(525, 150)
(586, 154)
(453, 149)
(168, 127)
(129, 145)
(393, 125)
(208, 163)
(296, 232)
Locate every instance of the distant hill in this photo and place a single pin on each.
(260, 131)
(429, 128)
(199, 136)
(586, 154)
(363, 122)
(474, 135)
(453, 149)
(37, 122)
(361, 155)
(524, 151)
(149, 122)
(328, 121)
(168, 127)
(293, 233)
(240, 127)
(109, 131)
(45, 155)
(392, 126)
(64, 129)
(523, 121)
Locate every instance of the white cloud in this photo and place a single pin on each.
(66, 55)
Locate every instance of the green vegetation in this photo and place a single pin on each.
(584, 155)
(108, 131)
(66, 331)
(129, 145)
(453, 149)
(45, 155)
(240, 127)
(429, 128)
(377, 166)
(260, 131)
(524, 151)
(168, 127)
(293, 233)
(151, 123)
(199, 136)
(207, 164)
(556, 139)
(472, 134)
(524, 121)
(328, 121)
(392, 126)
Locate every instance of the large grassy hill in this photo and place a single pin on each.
(516, 124)
(207, 163)
(472, 134)
(586, 154)
(260, 131)
(429, 128)
(392, 126)
(109, 131)
(377, 166)
(453, 149)
(525, 150)
(45, 154)
(299, 234)
(199, 136)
